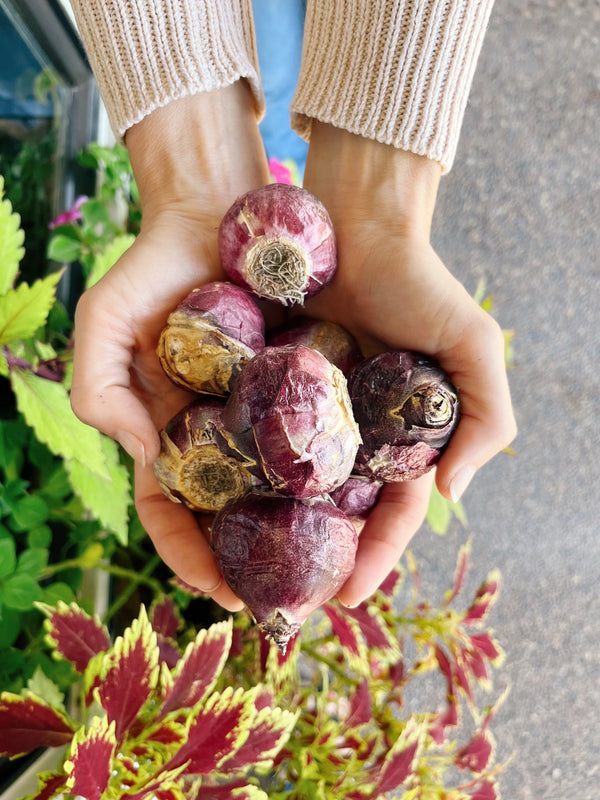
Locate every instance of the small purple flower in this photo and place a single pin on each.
(70, 216)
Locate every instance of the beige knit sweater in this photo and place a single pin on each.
(398, 71)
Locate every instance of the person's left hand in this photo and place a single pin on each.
(392, 291)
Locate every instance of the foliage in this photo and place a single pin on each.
(65, 494)
(204, 717)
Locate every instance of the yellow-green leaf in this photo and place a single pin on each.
(24, 309)
(47, 409)
(108, 257)
(11, 242)
(107, 498)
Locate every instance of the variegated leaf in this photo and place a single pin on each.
(165, 617)
(216, 728)
(361, 706)
(235, 790)
(28, 722)
(163, 784)
(462, 565)
(129, 674)
(270, 729)
(73, 634)
(397, 765)
(477, 753)
(348, 632)
(50, 784)
(378, 637)
(89, 765)
(198, 669)
(484, 599)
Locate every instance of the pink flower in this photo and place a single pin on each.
(280, 172)
(70, 216)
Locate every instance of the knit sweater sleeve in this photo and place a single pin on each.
(145, 53)
(397, 71)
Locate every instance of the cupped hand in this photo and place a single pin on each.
(191, 160)
(393, 291)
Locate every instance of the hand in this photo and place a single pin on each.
(393, 291)
(191, 159)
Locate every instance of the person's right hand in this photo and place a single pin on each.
(191, 159)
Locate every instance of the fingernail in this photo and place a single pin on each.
(460, 481)
(132, 445)
(212, 588)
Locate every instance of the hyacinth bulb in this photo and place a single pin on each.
(278, 242)
(331, 340)
(283, 557)
(209, 336)
(290, 409)
(407, 410)
(357, 496)
(195, 466)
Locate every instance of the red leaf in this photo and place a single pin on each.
(224, 791)
(168, 651)
(269, 731)
(129, 674)
(391, 583)
(462, 564)
(476, 754)
(397, 768)
(49, 786)
(28, 722)
(484, 643)
(344, 630)
(214, 732)
(199, 667)
(164, 617)
(486, 790)
(373, 628)
(90, 763)
(75, 635)
(361, 707)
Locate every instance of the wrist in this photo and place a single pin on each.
(366, 179)
(198, 152)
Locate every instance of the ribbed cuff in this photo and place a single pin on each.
(397, 72)
(145, 53)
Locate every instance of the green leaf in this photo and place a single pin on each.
(11, 242)
(108, 499)
(21, 592)
(63, 248)
(25, 309)
(108, 257)
(56, 592)
(10, 628)
(8, 557)
(440, 512)
(29, 512)
(47, 409)
(31, 562)
(40, 536)
(41, 685)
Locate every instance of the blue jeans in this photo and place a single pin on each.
(279, 27)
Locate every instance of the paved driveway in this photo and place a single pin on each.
(521, 210)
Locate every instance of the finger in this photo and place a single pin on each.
(392, 523)
(101, 392)
(487, 423)
(179, 540)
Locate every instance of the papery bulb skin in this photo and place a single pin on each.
(195, 465)
(331, 340)
(283, 557)
(277, 241)
(407, 410)
(290, 407)
(209, 336)
(357, 496)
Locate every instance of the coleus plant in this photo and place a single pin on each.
(171, 714)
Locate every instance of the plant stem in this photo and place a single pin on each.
(134, 579)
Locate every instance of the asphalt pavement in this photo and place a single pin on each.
(520, 210)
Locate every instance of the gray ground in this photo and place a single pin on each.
(521, 209)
